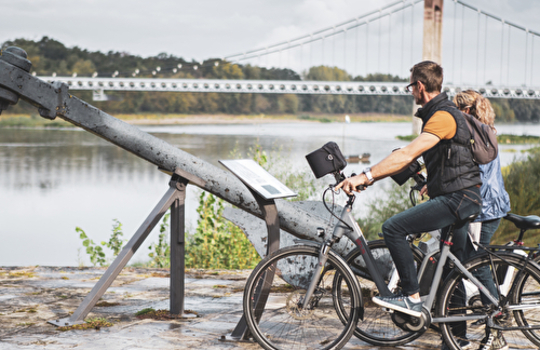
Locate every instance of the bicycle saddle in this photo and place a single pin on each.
(524, 222)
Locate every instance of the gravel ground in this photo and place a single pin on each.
(29, 297)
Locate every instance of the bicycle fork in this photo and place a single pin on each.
(323, 257)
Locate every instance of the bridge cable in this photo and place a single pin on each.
(485, 49)
(356, 50)
(412, 33)
(497, 18)
(334, 47)
(526, 52)
(379, 48)
(389, 40)
(345, 49)
(320, 37)
(311, 55)
(454, 44)
(532, 59)
(288, 57)
(508, 59)
(402, 39)
(502, 50)
(367, 47)
(322, 59)
(302, 55)
(462, 43)
(477, 46)
(319, 31)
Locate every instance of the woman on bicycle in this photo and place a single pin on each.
(495, 199)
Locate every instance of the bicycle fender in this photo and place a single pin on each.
(307, 242)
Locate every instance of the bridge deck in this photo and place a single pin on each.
(99, 85)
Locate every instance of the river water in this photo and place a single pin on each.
(54, 180)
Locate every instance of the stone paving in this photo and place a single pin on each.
(29, 297)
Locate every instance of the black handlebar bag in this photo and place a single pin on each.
(326, 160)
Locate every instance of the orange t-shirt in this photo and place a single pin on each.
(442, 125)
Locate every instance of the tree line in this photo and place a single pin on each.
(49, 56)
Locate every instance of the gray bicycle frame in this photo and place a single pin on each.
(343, 228)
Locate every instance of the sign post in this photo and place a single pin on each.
(265, 188)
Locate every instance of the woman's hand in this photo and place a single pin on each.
(423, 192)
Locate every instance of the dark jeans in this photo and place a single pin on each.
(484, 273)
(437, 213)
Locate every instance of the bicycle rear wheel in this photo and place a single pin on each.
(377, 328)
(274, 294)
(527, 297)
(457, 298)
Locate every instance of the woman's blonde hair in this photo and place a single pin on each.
(479, 106)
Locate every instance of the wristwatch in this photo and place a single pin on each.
(367, 172)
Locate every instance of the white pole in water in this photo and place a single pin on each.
(347, 121)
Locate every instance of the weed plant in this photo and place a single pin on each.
(95, 251)
(160, 251)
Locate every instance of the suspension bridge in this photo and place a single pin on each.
(478, 50)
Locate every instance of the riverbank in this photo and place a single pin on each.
(34, 120)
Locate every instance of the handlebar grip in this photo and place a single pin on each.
(361, 187)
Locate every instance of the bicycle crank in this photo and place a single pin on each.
(412, 324)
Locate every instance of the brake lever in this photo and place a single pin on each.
(359, 187)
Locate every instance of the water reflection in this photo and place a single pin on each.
(54, 180)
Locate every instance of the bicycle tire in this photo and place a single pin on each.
(377, 328)
(528, 294)
(280, 323)
(453, 301)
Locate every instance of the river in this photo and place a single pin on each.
(53, 180)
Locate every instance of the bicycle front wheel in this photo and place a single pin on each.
(377, 328)
(274, 295)
(458, 297)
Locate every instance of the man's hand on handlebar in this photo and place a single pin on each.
(353, 184)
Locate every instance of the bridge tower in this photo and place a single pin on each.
(433, 15)
(432, 42)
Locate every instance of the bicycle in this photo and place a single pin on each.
(378, 327)
(318, 301)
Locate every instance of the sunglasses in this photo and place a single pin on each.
(409, 87)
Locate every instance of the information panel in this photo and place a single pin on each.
(258, 179)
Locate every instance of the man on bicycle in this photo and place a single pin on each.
(453, 182)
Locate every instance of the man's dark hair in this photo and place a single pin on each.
(429, 73)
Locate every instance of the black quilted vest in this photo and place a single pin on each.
(449, 164)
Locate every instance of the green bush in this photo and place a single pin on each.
(396, 200)
(522, 182)
(218, 243)
(517, 139)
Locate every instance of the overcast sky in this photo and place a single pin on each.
(202, 29)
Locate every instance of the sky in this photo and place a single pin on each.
(210, 28)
